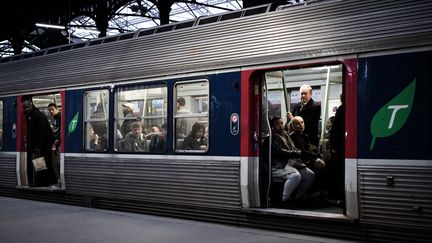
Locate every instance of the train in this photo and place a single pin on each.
(233, 71)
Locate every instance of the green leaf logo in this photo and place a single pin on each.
(393, 115)
(73, 124)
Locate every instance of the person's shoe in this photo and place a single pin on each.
(55, 187)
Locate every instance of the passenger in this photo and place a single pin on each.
(181, 123)
(309, 152)
(286, 164)
(94, 140)
(309, 111)
(98, 136)
(337, 144)
(158, 141)
(55, 149)
(155, 129)
(129, 118)
(135, 140)
(325, 146)
(196, 139)
(40, 139)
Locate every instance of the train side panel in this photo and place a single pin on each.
(395, 146)
(207, 180)
(8, 155)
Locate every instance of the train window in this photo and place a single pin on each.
(1, 124)
(96, 120)
(191, 116)
(141, 119)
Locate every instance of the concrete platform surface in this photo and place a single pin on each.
(33, 221)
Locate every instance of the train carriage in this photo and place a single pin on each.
(234, 71)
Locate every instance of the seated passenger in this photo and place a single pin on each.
(155, 129)
(196, 139)
(309, 152)
(98, 142)
(135, 141)
(286, 163)
(158, 141)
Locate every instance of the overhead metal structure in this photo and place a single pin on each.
(87, 19)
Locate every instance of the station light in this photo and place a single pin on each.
(50, 26)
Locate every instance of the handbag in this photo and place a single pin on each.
(39, 164)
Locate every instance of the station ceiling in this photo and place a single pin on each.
(18, 19)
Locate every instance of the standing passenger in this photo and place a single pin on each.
(56, 127)
(309, 111)
(337, 144)
(129, 118)
(40, 139)
(181, 123)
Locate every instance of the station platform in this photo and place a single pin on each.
(33, 221)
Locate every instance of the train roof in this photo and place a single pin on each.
(232, 40)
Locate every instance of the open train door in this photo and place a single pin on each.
(279, 96)
(25, 168)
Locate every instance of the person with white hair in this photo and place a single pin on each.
(310, 111)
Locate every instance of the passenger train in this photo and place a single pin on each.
(234, 71)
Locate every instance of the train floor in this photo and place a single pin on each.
(33, 221)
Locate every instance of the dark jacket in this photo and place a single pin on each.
(311, 114)
(309, 151)
(191, 143)
(40, 139)
(39, 133)
(56, 123)
(282, 149)
(337, 133)
(158, 143)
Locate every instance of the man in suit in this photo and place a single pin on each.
(309, 111)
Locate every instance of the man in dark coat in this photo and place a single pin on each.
(56, 128)
(309, 111)
(337, 144)
(40, 139)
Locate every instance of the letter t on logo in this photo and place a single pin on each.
(395, 108)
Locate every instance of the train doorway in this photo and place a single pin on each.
(41, 141)
(282, 95)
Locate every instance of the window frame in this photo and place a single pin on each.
(88, 120)
(142, 117)
(176, 116)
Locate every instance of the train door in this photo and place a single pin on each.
(51, 105)
(280, 95)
